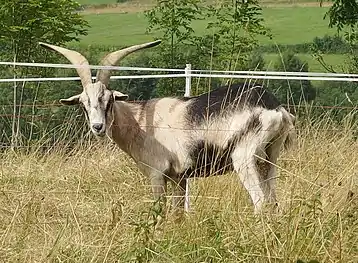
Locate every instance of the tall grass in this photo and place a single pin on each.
(93, 205)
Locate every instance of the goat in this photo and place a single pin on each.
(238, 128)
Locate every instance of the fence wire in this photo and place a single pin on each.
(49, 105)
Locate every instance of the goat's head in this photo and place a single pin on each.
(96, 98)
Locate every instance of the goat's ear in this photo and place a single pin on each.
(71, 101)
(119, 96)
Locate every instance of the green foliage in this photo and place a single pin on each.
(292, 91)
(139, 89)
(173, 19)
(331, 44)
(23, 24)
(337, 93)
(343, 14)
(327, 44)
(144, 232)
(256, 61)
(228, 41)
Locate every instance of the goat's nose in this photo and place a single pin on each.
(97, 126)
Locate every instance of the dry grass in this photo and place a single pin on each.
(92, 206)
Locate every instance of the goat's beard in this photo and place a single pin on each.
(109, 123)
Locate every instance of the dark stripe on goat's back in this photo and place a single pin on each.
(236, 96)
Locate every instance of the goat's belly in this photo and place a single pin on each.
(207, 170)
(209, 160)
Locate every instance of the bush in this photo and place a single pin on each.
(292, 91)
(296, 48)
(327, 44)
(331, 44)
(256, 61)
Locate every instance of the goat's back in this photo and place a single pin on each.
(228, 98)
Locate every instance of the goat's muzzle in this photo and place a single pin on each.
(98, 129)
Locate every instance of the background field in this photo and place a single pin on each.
(289, 25)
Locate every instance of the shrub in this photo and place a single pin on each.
(292, 91)
(331, 44)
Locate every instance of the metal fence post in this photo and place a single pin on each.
(187, 80)
(187, 94)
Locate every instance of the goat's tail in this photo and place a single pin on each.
(289, 129)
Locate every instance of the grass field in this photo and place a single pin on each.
(93, 206)
(291, 25)
(301, 25)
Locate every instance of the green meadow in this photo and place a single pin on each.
(289, 26)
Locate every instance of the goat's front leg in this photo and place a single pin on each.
(159, 189)
(179, 186)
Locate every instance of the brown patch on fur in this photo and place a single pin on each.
(173, 106)
(146, 115)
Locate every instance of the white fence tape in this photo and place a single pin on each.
(235, 73)
(280, 73)
(183, 76)
(49, 65)
(78, 78)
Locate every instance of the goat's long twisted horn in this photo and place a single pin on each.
(75, 58)
(111, 59)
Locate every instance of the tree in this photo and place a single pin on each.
(23, 23)
(235, 25)
(344, 14)
(173, 19)
(227, 43)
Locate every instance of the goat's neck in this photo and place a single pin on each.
(137, 142)
(125, 129)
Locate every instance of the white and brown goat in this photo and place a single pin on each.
(238, 128)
